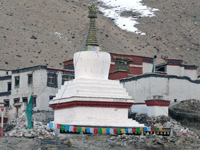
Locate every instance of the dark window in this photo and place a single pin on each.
(17, 81)
(51, 97)
(7, 103)
(16, 100)
(9, 86)
(30, 79)
(67, 77)
(52, 80)
(161, 68)
(34, 101)
(25, 99)
(175, 100)
(121, 65)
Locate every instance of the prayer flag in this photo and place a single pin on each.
(118, 131)
(50, 125)
(79, 129)
(92, 130)
(108, 131)
(75, 129)
(152, 128)
(29, 109)
(95, 130)
(123, 131)
(115, 131)
(126, 130)
(103, 131)
(67, 128)
(133, 130)
(83, 129)
(145, 129)
(129, 130)
(141, 129)
(62, 127)
(138, 130)
(87, 130)
(111, 131)
(99, 131)
(58, 126)
(156, 129)
(71, 128)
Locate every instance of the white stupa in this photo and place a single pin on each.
(91, 99)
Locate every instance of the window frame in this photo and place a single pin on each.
(17, 82)
(9, 83)
(34, 101)
(52, 79)
(30, 76)
(23, 98)
(121, 65)
(7, 104)
(16, 100)
(69, 77)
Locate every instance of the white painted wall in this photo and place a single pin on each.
(92, 65)
(147, 67)
(173, 70)
(157, 111)
(38, 88)
(4, 85)
(141, 109)
(2, 73)
(173, 88)
(95, 116)
(191, 73)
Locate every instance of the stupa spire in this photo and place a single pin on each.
(92, 34)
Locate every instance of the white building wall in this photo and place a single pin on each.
(170, 88)
(157, 111)
(191, 74)
(4, 85)
(38, 88)
(147, 67)
(173, 70)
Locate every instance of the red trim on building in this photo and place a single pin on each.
(118, 75)
(91, 104)
(190, 69)
(112, 68)
(135, 70)
(139, 104)
(157, 102)
(175, 60)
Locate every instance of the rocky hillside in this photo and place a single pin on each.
(48, 32)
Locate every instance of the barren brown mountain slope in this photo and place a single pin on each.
(28, 38)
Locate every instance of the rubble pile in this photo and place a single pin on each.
(189, 105)
(39, 130)
(165, 122)
(150, 121)
(179, 130)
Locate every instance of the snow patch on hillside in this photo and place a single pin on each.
(125, 13)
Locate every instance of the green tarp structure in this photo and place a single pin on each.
(29, 109)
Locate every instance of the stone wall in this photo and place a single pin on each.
(43, 116)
